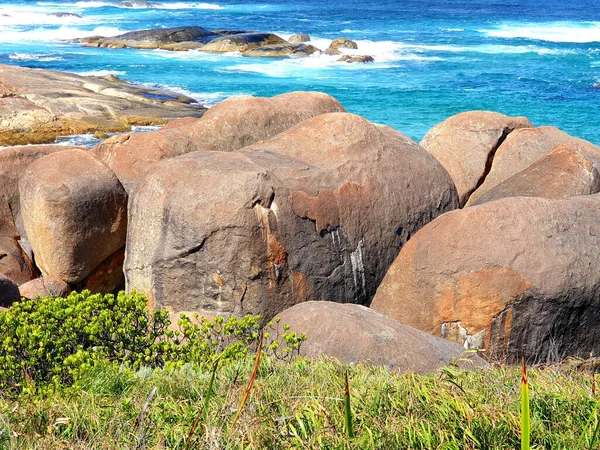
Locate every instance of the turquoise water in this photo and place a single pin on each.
(433, 59)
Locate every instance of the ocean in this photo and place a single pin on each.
(433, 58)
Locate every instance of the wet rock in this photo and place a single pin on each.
(242, 42)
(282, 50)
(338, 43)
(356, 59)
(298, 38)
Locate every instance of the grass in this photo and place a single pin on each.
(302, 406)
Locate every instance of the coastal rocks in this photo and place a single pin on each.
(227, 126)
(465, 145)
(356, 59)
(563, 172)
(164, 38)
(65, 14)
(354, 333)
(282, 50)
(517, 276)
(242, 42)
(36, 105)
(9, 292)
(74, 211)
(13, 162)
(298, 38)
(521, 149)
(14, 263)
(338, 43)
(44, 287)
(317, 212)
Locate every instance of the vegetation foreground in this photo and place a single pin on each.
(300, 405)
(102, 372)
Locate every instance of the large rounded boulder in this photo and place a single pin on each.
(43, 287)
(318, 212)
(355, 333)
(14, 263)
(563, 172)
(465, 145)
(517, 276)
(227, 126)
(75, 212)
(522, 148)
(13, 162)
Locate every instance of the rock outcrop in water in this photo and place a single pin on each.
(36, 106)
(249, 43)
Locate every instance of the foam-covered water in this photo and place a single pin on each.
(433, 58)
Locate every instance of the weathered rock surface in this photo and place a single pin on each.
(9, 292)
(65, 14)
(230, 125)
(242, 42)
(14, 263)
(13, 162)
(521, 149)
(562, 173)
(355, 333)
(357, 59)
(282, 50)
(465, 145)
(43, 287)
(74, 211)
(164, 38)
(515, 276)
(108, 277)
(338, 43)
(298, 38)
(37, 105)
(318, 212)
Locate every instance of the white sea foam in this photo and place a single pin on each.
(119, 4)
(12, 34)
(575, 32)
(101, 73)
(190, 6)
(43, 57)
(14, 15)
(207, 99)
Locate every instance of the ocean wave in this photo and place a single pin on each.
(12, 34)
(28, 15)
(121, 4)
(574, 32)
(206, 99)
(35, 57)
(101, 73)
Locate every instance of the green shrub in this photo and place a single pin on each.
(49, 342)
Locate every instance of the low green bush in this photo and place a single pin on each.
(48, 342)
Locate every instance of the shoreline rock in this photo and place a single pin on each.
(39, 105)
